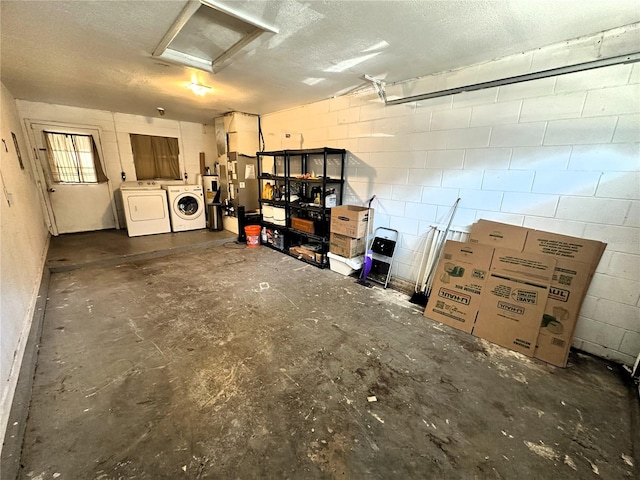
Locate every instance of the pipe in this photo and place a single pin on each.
(580, 67)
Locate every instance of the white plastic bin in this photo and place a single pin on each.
(345, 266)
(267, 213)
(279, 217)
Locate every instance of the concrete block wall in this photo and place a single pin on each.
(115, 128)
(560, 154)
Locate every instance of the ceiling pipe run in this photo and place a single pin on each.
(379, 86)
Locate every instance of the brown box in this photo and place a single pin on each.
(514, 298)
(303, 225)
(552, 350)
(563, 246)
(346, 247)
(245, 143)
(523, 322)
(499, 235)
(531, 267)
(566, 293)
(459, 282)
(502, 235)
(351, 220)
(302, 252)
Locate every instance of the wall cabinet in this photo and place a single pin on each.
(297, 189)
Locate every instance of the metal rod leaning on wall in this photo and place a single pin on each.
(440, 247)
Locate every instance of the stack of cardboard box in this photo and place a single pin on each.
(514, 286)
(349, 228)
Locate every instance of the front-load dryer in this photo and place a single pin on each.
(186, 207)
(145, 208)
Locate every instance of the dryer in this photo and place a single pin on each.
(186, 207)
(145, 208)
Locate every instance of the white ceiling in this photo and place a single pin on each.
(98, 54)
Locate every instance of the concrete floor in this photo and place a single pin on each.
(228, 362)
(107, 247)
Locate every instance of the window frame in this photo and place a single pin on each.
(38, 127)
(158, 173)
(96, 160)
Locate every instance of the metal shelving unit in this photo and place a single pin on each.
(300, 187)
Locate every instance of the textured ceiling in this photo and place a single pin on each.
(97, 54)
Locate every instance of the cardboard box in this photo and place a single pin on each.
(552, 350)
(577, 260)
(244, 142)
(459, 283)
(530, 267)
(502, 235)
(566, 293)
(514, 298)
(291, 141)
(563, 246)
(240, 122)
(509, 314)
(303, 252)
(346, 247)
(499, 235)
(351, 221)
(561, 313)
(303, 225)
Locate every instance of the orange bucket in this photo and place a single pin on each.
(253, 235)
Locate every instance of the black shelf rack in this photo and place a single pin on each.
(305, 184)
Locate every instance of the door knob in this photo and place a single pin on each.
(52, 189)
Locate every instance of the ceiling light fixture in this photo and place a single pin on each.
(198, 88)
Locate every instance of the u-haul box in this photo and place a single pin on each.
(565, 247)
(498, 235)
(558, 323)
(514, 299)
(459, 282)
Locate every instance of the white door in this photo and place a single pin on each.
(76, 206)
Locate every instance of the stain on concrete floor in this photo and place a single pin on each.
(244, 363)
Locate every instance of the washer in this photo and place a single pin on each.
(186, 207)
(145, 208)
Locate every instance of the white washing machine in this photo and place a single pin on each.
(186, 207)
(145, 208)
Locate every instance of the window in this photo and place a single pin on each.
(73, 158)
(207, 36)
(155, 157)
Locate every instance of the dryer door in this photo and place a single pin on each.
(145, 206)
(188, 206)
